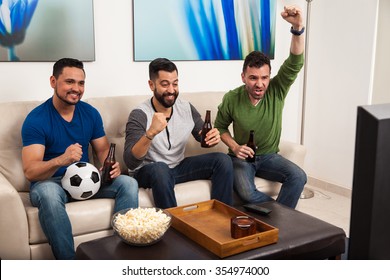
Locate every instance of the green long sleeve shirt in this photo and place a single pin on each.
(266, 117)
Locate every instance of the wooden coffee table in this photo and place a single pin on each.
(301, 236)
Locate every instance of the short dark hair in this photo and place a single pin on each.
(66, 62)
(256, 59)
(161, 64)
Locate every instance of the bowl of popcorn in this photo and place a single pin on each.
(141, 226)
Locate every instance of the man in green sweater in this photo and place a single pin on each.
(257, 105)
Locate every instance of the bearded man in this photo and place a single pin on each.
(56, 134)
(157, 132)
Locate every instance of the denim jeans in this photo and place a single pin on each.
(50, 198)
(214, 166)
(272, 167)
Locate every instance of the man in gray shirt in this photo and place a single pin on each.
(157, 132)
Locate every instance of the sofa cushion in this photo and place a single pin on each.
(86, 216)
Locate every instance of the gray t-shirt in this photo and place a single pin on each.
(169, 145)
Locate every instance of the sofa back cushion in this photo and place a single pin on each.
(12, 115)
(115, 111)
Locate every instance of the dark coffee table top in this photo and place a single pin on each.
(301, 236)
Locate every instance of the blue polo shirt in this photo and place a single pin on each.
(45, 126)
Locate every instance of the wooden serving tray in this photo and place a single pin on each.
(208, 224)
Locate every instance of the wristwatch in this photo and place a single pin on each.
(297, 32)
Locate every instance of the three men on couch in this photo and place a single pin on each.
(58, 133)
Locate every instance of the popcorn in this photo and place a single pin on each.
(142, 225)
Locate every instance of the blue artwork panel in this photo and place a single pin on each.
(46, 30)
(203, 29)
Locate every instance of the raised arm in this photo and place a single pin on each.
(294, 16)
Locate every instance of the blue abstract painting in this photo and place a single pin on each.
(203, 29)
(46, 30)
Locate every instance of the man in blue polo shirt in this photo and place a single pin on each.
(56, 134)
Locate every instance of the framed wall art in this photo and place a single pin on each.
(46, 30)
(203, 29)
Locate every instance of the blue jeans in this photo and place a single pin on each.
(50, 198)
(214, 166)
(271, 167)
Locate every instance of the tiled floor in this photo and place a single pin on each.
(327, 206)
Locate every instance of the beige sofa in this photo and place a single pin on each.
(21, 236)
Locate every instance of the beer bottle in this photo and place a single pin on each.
(251, 144)
(107, 166)
(205, 129)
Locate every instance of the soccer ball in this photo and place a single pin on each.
(81, 180)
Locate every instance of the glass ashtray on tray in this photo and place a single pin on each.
(141, 226)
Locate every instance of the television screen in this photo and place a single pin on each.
(203, 29)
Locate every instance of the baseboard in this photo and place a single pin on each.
(340, 190)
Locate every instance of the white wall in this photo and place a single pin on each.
(340, 71)
(341, 57)
(381, 91)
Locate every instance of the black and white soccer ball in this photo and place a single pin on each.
(81, 180)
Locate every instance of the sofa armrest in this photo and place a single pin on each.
(14, 242)
(293, 151)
